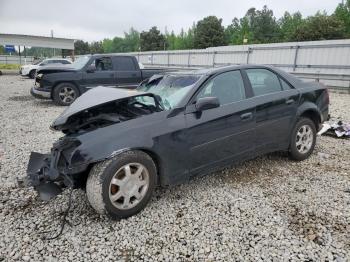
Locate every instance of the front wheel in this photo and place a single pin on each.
(65, 94)
(122, 186)
(303, 139)
(32, 73)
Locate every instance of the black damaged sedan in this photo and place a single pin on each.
(120, 144)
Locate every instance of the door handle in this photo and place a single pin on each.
(289, 101)
(246, 116)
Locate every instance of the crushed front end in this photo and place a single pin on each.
(71, 156)
(50, 173)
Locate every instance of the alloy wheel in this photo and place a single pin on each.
(129, 186)
(67, 94)
(304, 139)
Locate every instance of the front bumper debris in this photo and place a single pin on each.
(43, 176)
(37, 93)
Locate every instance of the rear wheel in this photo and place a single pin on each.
(65, 94)
(32, 73)
(303, 139)
(122, 186)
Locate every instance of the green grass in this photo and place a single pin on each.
(9, 66)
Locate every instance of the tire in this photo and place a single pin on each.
(32, 73)
(120, 201)
(303, 139)
(65, 94)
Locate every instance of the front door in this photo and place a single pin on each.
(218, 136)
(100, 73)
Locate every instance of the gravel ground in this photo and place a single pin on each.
(268, 209)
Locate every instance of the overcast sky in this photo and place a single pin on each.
(94, 20)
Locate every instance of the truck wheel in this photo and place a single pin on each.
(303, 139)
(122, 186)
(32, 73)
(64, 94)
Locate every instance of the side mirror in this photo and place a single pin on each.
(206, 103)
(91, 69)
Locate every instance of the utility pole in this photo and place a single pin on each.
(52, 37)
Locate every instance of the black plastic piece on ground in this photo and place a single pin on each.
(48, 190)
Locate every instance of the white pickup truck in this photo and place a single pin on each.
(30, 70)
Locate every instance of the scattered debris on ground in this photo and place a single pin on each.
(338, 129)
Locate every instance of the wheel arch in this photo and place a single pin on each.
(31, 70)
(153, 155)
(312, 114)
(157, 162)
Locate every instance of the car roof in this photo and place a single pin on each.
(110, 55)
(57, 59)
(217, 70)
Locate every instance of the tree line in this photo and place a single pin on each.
(255, 27)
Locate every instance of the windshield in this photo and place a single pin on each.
(170, 88)
(80, 62)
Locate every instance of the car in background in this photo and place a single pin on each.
(30, 70)
(120, 144)
(65, 84)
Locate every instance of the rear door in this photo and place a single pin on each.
(276, 105)
(128, 74)
(218, 136)
(101, 73)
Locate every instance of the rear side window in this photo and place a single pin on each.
(263, 81)
(227, 87)
(125, 63)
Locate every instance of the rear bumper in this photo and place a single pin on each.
(40, 93)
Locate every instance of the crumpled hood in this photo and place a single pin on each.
(95, 97)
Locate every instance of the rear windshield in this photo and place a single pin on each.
(171, 89)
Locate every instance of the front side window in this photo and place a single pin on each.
(263, 81)
(227, 87)
(102, 64)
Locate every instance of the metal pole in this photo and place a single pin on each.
(189, 59)
(25, 55)
(152, 58)
(20, 58)
(296, 57)
(214, 54)
(249, 50)
(168, 58)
